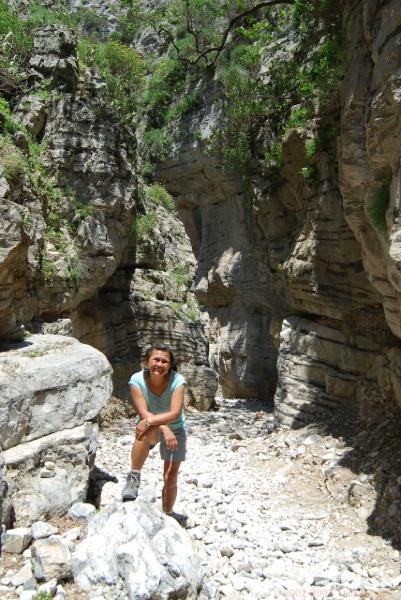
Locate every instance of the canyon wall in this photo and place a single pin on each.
(72, 261)
(300, 286)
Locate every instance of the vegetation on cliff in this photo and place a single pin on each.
(273, 63)
(271, 66)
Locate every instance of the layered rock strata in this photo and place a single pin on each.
(230, 281)
(300, 250)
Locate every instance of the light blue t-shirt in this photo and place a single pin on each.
(160, 404)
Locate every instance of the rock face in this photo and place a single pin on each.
(88, 161)
(134, 551)
(369, 149)
(317, 370)
(230, 281)
(53, 387)
(75, 265)
(50, 383)
(303, 257)
(51, 559)
(271, 255)
(3, 484)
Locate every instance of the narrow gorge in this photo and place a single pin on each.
(223, 177)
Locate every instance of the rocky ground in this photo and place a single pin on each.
(274, 514)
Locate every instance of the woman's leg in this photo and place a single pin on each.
(169, 493)
(140, 449)
(139, 454)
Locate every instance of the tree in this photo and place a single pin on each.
(198, 30)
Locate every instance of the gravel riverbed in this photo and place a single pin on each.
(273, 513)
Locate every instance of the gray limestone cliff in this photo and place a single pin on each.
(300, 286)
(73, 260)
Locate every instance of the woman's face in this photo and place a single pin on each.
(159, 362)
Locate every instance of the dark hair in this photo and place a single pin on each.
(162, 348)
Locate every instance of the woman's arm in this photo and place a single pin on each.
(176, 404)
(139, 402)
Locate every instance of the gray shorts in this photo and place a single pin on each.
(174, 455)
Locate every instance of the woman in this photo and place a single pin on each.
(158, 395)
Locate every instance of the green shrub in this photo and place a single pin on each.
(274, 155)
(82, 211)
(183, 105)
(74, 270)
(6, 120)
(298, 118)
(302, 14)
(312, 147)
(377, 206)
(19, 38)
(192, 313)
(176, 307)
(180, 275)
(165, 75)
(46, 266)
(158, 142)
(43, 596)
(40, 16)
(311, 174)
(144, 225)
(89, 20)
(123, 70)
(11, 159)
(158, 194)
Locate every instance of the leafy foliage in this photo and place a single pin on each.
(11, 159)
(144, 225)
(121, 68)
(311, 175)
(263, 60)
(42, 595)
(312, 147)
(181, 274)
(195, 33)
(157, 194)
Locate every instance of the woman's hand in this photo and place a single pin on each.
(141, 429)
(169, 438)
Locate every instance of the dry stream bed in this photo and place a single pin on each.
(274, 513)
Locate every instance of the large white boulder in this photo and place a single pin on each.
(134, 551)
(49, 383)
(51, 390)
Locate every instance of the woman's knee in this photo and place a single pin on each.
(149, 438)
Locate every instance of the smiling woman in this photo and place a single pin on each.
(158, 395)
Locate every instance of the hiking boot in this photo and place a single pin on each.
(181, 519)
(130, 490)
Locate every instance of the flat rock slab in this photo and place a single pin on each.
(133, 550)
(41, 530)
(49, 383)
